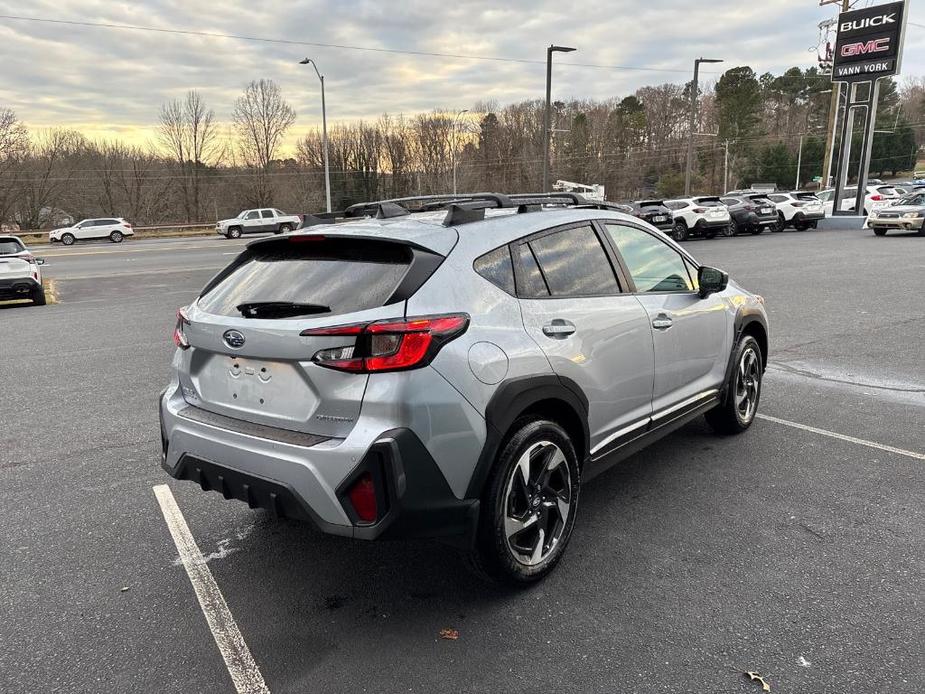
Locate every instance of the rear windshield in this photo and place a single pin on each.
(9, 247)
(760, 200)
(805, 196)
(650, 204)
(887, 190)
(710, 202)
(330, 276)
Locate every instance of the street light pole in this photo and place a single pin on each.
(324, 134)
(547, 120)
(455, 121)
(693, 126)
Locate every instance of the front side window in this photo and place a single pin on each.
(574, 263)
(252, 215)
(653, 264)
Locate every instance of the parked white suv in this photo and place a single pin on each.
(257, 221)
(800, 209)
(877, 196)
(20, 276)
(703, 216)
(113, 228)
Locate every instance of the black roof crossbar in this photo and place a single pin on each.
(464, 208)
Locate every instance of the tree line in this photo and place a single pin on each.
(750, 128)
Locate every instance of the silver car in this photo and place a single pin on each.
(905, 214)
(454, 368)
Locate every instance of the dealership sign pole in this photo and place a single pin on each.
(869, 47)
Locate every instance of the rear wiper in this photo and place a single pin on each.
(280, 309)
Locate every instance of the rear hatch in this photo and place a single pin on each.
(713, 209)
(763, 206)
(13, 268)
(655, 212)
(248, 357)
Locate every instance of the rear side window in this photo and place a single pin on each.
(530, 282)
(574, 263)
(674, 205)
(497, 268)
(777, 198)
(730, 201)
(329, 276)
(266, 214)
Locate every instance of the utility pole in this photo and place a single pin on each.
(547, 120)
(690, 138)
(833, 114)
(799, 164)
(726, 167)
(455, 145)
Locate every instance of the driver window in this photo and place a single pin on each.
(653, 265)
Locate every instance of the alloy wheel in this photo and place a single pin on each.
(537, 503)
(748, 385)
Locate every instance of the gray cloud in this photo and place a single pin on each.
(116, 80)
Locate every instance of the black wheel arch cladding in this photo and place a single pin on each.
(518, 396)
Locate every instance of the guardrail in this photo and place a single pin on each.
(162, 230)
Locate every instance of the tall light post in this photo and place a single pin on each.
(324, 133)
(547, 121)
(690, 139)
(455, 121)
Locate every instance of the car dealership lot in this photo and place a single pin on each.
(785, 551)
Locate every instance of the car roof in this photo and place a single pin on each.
(426, 229)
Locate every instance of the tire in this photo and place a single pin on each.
(757, 230)
(38, 296)
(233, 233)
(921, 231)
(68, 239)
(781, 223)
(743, 390)
(731, 229)
(679, 231)
(518, 518)
(882, 232)
(116, 237)
(710, 233)
(801, 226)
(285, 228)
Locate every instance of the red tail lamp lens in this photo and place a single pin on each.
(179, 337)
(389, 345)
(362, 497)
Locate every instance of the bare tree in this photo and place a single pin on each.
(261, 118)
(14, 145)
(189, 134)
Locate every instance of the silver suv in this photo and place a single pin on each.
(454, 368)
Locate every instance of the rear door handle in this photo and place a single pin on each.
(661, 322)
(559, 328)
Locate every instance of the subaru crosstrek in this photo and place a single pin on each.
(454, 372)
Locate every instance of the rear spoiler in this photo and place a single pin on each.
(649, 202)
(707, 198)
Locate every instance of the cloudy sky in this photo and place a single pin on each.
(109, 81)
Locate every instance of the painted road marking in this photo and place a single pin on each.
(241, 666)
(843, 437)
(143, 249)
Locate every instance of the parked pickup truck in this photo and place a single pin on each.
(258, 221)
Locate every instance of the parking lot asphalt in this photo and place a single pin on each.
(784, 551)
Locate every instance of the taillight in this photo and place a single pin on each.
(798, 204)
(28, 257)
(126, 225)
(362, 495)
(699, 210)
(392, 345)
(179, 336)
(876, 198)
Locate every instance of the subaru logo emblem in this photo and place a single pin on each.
(234, 339)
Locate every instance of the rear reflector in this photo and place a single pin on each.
(392, 345)
(362, 495)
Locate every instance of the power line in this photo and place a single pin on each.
(316, 44)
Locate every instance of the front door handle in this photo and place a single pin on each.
(559, 328)
(661, 322)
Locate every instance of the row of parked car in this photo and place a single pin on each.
(737, 212)
(886, 207)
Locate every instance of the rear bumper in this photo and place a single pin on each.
(310, 483)
(20, 288)
(808, 216)
(712, 223)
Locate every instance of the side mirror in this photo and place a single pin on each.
(711, 280)
(39, 261)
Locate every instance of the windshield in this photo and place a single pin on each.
(318, 276)
(9, 247)
(242, 215)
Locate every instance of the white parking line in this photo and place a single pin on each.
(241, 666)
(843, 437)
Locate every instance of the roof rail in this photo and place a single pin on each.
(426, 203)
